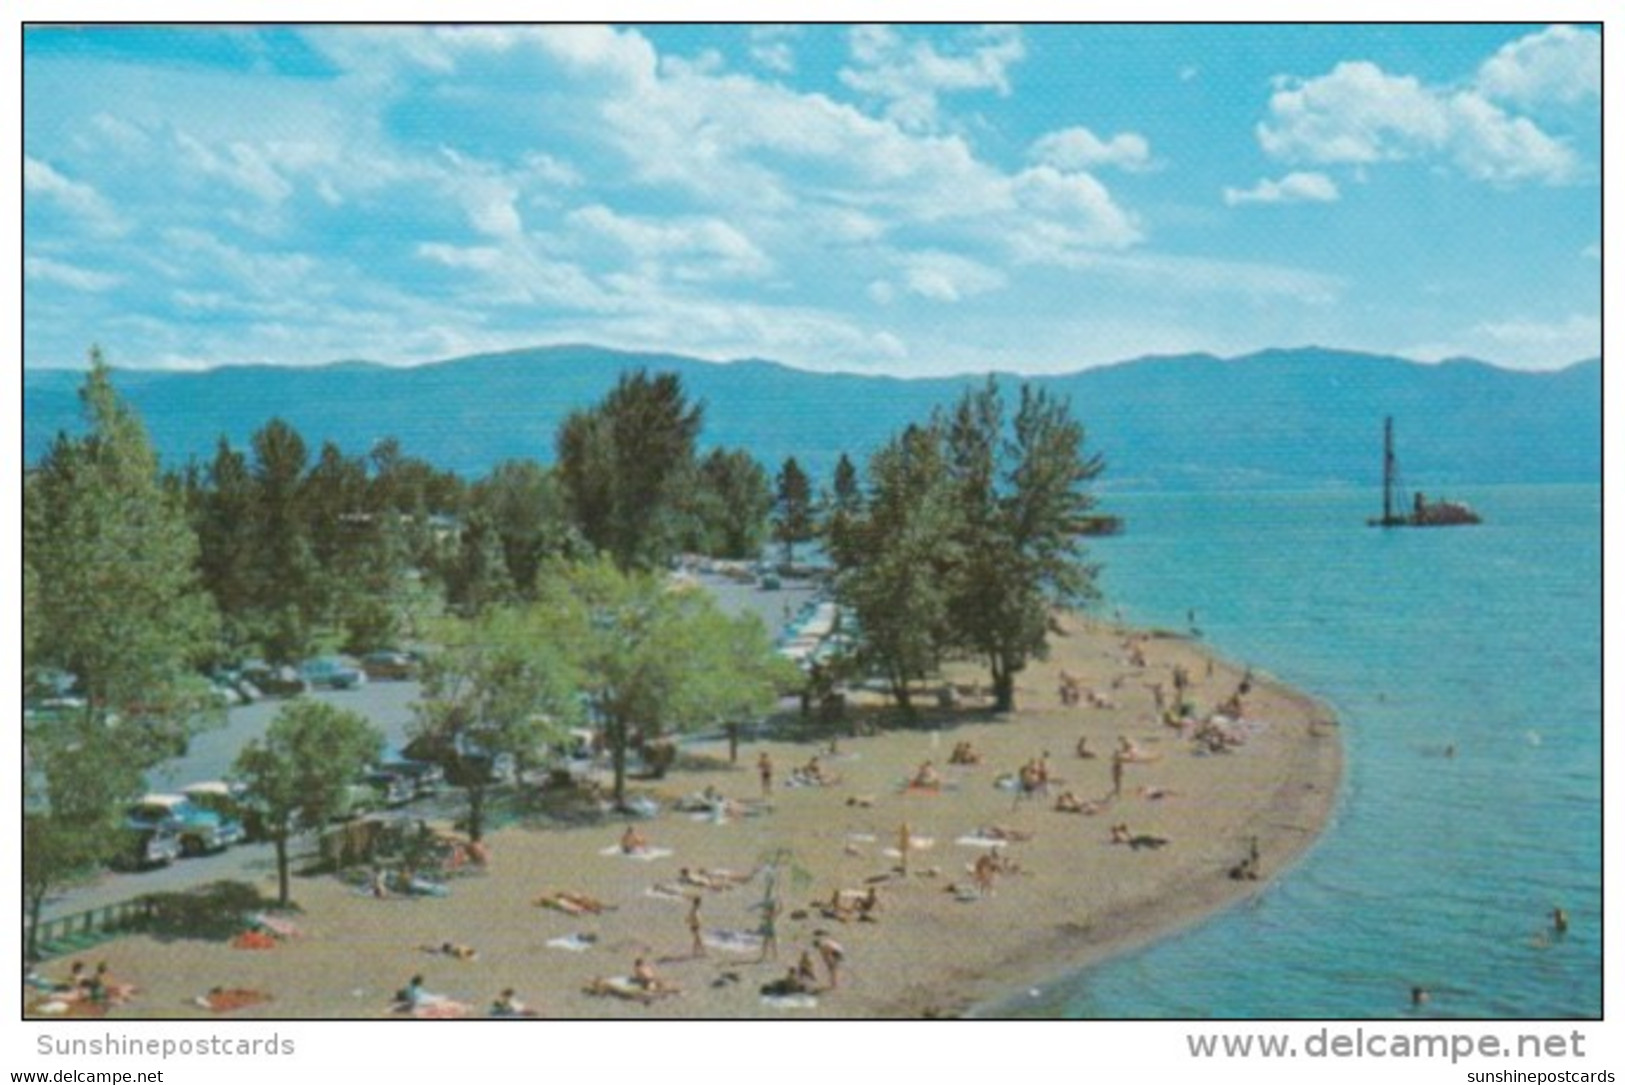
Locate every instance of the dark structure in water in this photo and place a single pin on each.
(1422, 513)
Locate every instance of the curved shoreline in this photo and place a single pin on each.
(1076, 900)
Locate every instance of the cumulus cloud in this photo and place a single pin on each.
(1358, 114)
(43, 270)
(1560, 64)
(908, 76)
(85, 207)
(771, 48)
(1078, 149)
(1297, 187)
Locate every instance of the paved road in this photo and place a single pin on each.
(386, 704)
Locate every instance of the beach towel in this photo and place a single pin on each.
(254, 940)
(731, 941)
(68, 1007)
(443, 1009)
(560, 903)
(790, 1002)
(275, 925)
(670, 891)
(644, 855)
(628, 988)
(575, 943)
(980, 842)
(226, 1000)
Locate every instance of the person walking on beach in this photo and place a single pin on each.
(764, 768)
(694, 927)
(769, 929)
(832, 954)
(1117, 773)
(905, 837)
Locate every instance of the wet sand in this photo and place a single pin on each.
(1075, 898)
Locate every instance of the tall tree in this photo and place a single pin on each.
(522, 501)
(286, 575)
(651, 660)
(1021, 500)
(299, 770)
(111, 563)
(793, 512)
(730, 503)
(843, 510)
(498, 685)
(904, 546)
(621, 464)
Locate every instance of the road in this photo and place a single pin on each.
(387, 704)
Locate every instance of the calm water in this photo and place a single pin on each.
(1438, 870)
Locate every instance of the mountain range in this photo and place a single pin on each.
(1303, 417)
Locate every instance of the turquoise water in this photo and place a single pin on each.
(1438, 871)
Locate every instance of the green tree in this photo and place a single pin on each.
(730, 504)
(299, 771)
(522, 501)
(622, 465)
(286, 574)
(1021, 501)
(228, 542)
(110, 562)
(652, 660)
(497, 686)
(843, 510)
(76, 784)
(793, 509)
(903, 547)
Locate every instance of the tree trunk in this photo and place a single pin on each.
(476, 812)
(733, 743)
(617, 750)
(899, 690)
(36, 905)
(282, 868)
(1004, 686)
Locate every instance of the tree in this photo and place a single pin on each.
(299, 771)
(903, 547)
(76, 783)
(729, 505)
(522, 501)
(651, 659)
(621, 464)
(111, 567)
(843, 510)
(286, 572)
(498, 686)
(792, 517)
(1021, 504)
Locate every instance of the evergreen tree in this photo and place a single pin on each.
(730, 502)
(622, 463)
(793, 514)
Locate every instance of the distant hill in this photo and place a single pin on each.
(1276, 419)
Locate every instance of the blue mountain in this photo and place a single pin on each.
(1275, 419)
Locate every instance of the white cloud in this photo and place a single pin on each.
(770, 47)
(1295, 187)
(909, 76)
(942, 276)
(1560, 64)
(42, 269)
(85, 206)
(1078, 149)
(1358, 114)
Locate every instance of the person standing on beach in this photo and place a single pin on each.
(832, 954)
(1117, 773)
(905, 837)
(769, 929)
(694, 927)
(764, 768)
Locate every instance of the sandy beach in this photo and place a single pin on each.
(934, 945)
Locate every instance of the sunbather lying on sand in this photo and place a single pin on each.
(452, 949)
(573, 903)
(1001, 832)
(642, 986)
(507, 1005)
(926, 778)
(1136, 841)
(224, 999)
(1068, 802)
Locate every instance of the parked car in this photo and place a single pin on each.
(273, 681)
(232, 803)
(463, 764)
(144, 847)
(391, 790)
(426, 777)
(389, 666)
(331, 672)
(200, 831)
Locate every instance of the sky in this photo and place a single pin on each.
(908, 200)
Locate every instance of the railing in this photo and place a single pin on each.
(82, 930)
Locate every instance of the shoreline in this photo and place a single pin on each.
(1075, 900)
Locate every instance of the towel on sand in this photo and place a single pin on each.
(645, 854)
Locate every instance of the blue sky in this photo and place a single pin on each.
(905, 199)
